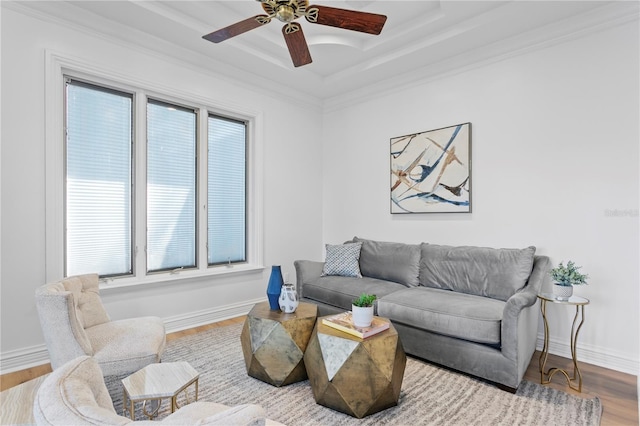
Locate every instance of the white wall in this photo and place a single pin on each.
(555, 153)
(555, 164)
(291, 183)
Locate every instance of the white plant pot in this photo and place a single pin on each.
(362, 317)
(562, 292)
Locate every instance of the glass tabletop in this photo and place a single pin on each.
(573, 300)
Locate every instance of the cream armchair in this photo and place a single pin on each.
(75, 323)
(75, 394)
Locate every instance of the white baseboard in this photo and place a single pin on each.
(590, 354)
(33, 356)
(208, 316)
(24, 358)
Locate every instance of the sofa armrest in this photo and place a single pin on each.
(306, 270)
(520, 315)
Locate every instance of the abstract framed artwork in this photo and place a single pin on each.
(431, 171)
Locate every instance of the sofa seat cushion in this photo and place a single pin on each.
(145, 340)
(340, 291)
(460, 315)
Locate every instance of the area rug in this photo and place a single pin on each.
(430, 395)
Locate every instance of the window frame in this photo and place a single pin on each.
(58, 68)
(198, 171)
(132, 198)
(246, 189)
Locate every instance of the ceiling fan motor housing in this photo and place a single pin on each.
(285, 13)
(285, 10)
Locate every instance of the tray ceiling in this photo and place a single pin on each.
(421, 39)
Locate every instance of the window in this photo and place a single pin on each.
(226, 191)
(138, 201)
(98, 180)
(171, 187)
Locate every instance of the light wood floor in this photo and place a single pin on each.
(617, 391)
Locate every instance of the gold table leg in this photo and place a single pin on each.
(545, 345)
(545, 377)
(174, 399)
(154, 412)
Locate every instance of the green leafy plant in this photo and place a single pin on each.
(364, 300)
(568, 275)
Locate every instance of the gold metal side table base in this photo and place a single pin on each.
(574, 380)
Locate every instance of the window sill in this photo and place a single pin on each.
(107, 284)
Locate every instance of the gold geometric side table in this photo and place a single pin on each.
(574, 380)
(273, 343)
(356, 376)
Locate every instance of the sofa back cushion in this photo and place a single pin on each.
(62, 323)
(483, 271)
(86, 294)
(75, 394)
(395, 262)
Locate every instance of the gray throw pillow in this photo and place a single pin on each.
(483, 271)
(395, 262)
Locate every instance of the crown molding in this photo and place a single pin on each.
(152, 46)
(585, 24)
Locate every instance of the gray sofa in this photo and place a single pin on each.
(472, 309)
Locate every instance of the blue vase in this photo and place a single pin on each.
(274, 287)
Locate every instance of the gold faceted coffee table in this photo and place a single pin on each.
(273, 343)
(356, 376)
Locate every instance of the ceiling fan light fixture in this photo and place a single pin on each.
(285, 13)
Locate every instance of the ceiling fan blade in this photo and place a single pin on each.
(297, 44)
(237, 28)
(364, 22)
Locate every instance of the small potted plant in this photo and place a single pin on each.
(565, 277)
(362, 310)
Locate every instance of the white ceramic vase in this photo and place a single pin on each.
(288, 299)
(562, 292)
(362, 316)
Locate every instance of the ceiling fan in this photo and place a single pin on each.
(289, 10)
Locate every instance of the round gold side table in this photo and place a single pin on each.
(576, 377)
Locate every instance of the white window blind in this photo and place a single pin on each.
(226, 191)
(98, 180)
(171, 186)
(132, 207)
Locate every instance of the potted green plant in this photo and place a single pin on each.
(362, 310)
(565, 277)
